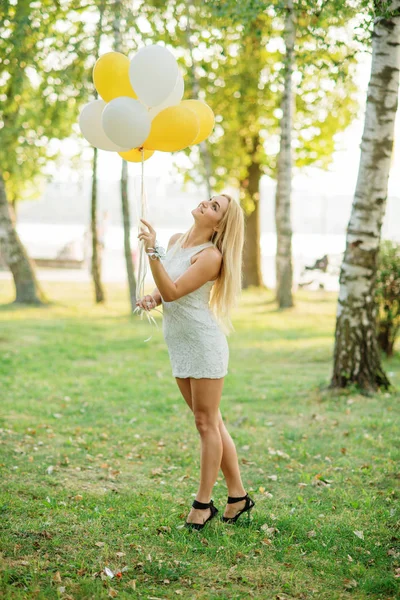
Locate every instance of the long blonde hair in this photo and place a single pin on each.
(229, 240)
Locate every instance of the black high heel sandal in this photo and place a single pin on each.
(248, 506)
(202, 505)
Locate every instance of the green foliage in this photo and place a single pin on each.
(388, 295)
(239, 67)
(46, 51)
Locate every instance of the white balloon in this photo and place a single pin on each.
(92, 128)
(174, 98)
(126, 122)
(153, 73)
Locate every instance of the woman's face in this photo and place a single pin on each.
(210, 212)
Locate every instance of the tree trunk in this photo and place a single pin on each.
(124, 182)
(250, 191)
(127, 231)
(14, 210)
(284, 271)
(386, 337)
(356, 354)
(96, 252)
(204, 151)
(27, 287)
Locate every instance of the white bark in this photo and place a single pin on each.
(284, 271)
(124, 182)
(96, 250)
(357, 356)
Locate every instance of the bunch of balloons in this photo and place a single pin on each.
(141, 108)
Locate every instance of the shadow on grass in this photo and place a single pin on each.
(14, 306)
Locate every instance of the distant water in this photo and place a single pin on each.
(46, 240)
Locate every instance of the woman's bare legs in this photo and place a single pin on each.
(229, 461)
(231, 471)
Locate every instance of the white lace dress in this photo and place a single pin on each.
(196, 344)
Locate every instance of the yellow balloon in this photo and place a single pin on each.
(174, 128)
(135, 155)
(206, 116)
(111, 76)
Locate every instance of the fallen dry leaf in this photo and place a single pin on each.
(266, 542)
(311, 533)
(163, 528)
(350, 584)
(157, 471)
(359, 534)
(108, 572)
(132, 584)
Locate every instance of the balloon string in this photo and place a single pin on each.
(142, 270)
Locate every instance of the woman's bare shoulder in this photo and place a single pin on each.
(216, 250)
(210, 251)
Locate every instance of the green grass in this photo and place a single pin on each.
(99, 459)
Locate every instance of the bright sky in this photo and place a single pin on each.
(342, 174)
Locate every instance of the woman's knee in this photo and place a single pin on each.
(205, 422)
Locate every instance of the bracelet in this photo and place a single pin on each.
(156, 252)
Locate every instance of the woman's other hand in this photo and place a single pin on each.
(147, 302)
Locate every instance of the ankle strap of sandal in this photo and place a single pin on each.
(197, 504)
(232, 499)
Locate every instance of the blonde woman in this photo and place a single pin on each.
(198, 283)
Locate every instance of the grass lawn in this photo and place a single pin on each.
(100, 457)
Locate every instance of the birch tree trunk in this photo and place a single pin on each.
(127, 229)
(284, 270)
(124, 183)
(96, 257)
(96, 253)
(356, 354)
(27, 287)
